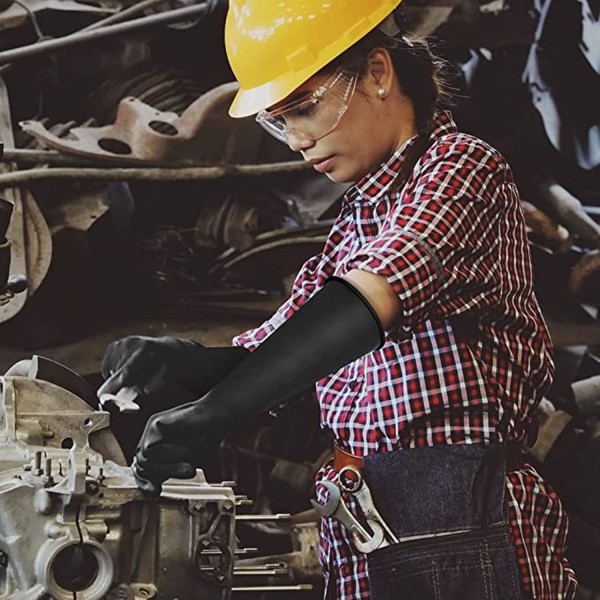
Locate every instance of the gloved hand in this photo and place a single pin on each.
(148, 364)
(330, 330)
(172, 442)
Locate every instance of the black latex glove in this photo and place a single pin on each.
(329, 331)
(150, 364)
(174, 442)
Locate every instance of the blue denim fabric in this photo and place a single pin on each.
(477, 565)
(443, 489)
(439, 488)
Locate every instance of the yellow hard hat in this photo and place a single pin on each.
(274, 46)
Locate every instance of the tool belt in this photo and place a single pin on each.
(446, 506)
(514, 457)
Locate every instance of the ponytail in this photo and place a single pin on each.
(422, 78)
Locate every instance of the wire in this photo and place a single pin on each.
(32, 18)
(123, 14)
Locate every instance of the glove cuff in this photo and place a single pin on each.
(332, 329)
(367, 304)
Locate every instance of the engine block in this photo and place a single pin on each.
(74, 526)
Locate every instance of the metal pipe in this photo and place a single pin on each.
(152, 174)
(243, 501)
(261, 570)
(237, 551)
(122, 14)
(301, 587)
(263, 518)
(25, 156)
(262, 566)
(163, 18)
(256, 573)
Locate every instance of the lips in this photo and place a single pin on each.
(322, 165)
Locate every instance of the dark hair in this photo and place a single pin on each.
(422, 76)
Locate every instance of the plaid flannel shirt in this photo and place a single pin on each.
(452, 244)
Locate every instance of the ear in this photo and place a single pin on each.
(380, 73)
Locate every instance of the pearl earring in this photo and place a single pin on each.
(381, 92)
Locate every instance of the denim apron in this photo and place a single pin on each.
(449, 502)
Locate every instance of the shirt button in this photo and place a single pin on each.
(353, 384)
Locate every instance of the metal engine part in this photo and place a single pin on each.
(74, 526)
(143, 134)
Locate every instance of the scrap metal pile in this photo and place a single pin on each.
(130, 194)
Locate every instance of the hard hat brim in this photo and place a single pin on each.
(249, 102)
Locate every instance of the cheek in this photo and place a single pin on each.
(360, 156)
(367, 136)
(358, 143)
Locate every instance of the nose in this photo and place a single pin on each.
(299, 143)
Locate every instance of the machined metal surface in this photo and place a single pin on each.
(74, 526)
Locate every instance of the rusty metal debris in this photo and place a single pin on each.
(142, 134)
(562, 74)
(569, 212)
(123, 14)
(17, 14)
(31, 246)
(550, 234)
(24, 156)
(152, 174)
(584, 281)
(117, 29)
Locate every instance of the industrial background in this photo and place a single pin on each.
(134, 205)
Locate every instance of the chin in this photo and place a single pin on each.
(343, 176)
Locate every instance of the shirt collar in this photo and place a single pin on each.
(376, 184)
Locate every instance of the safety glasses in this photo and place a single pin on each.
(313, 115)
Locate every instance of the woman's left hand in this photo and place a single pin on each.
(172, 445)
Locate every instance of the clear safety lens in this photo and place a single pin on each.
(313, 116)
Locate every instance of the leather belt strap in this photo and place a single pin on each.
(515, 459)
(342, 459)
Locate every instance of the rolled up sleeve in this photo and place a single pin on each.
(438, 247)
(305, 284)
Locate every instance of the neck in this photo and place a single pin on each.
(404, 114)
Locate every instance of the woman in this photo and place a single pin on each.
(417, 321)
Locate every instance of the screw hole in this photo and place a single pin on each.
(114, 146)
(163, 128)
(67, 443)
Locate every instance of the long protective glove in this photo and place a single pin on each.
(329, 331)
(150, 364)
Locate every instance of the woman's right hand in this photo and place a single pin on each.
(149, 364)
